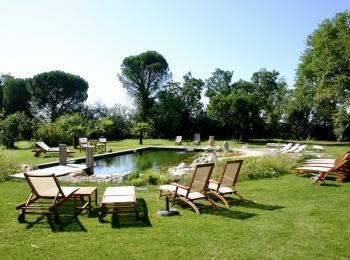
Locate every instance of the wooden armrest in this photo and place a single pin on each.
(213, 181)
(180, 186)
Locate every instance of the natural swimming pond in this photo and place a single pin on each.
(138, 161)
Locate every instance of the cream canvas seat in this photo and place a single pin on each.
(46, 196)
(227, 182)
(119, 199)
(195, 191)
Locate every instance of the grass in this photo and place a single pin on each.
(287, 218)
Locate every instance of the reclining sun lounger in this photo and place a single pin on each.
(44, 148)
(292, 149)
(341, 169)
(120, 200)
(46, 196)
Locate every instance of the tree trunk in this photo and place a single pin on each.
(140, 137)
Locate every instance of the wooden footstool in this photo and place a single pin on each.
(86, 192)
(120, 199)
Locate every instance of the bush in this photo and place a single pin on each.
(51, 134)
(15, 127)
(151, 177)
(7, 168)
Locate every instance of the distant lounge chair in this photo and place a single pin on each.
(286, 147)
(83, 142)
(197, 138)
(211, 141)
(196, 190)
(299, 149)
(120, 200)
(102, 144)
(227, 182)
(178, 139)
(44, 148)
(44, 188)
(292, 149)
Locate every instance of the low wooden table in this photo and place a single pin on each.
(85, 192)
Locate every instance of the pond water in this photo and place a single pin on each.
(138, 161)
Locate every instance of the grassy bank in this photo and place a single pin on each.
(287, 218)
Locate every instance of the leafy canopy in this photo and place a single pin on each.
(143, 76)
(55, 93)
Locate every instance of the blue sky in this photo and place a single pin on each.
(91, 38)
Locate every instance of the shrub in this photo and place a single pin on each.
(51, 134)
(151, 177)
(15, 127)
(7, 168)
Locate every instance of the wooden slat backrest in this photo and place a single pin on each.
(230, 173)
(43, 145)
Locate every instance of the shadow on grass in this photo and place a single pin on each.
(130, 219)
(65, 224)
(251, 204)
(221, 211)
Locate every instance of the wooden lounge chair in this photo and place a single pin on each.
(46, 196)
(341, 169)
(102, 144)
(197, 138)
(83, 142)
(120, 200)
(227, 182)
(197, 188)
(178, 139)
(44, 148)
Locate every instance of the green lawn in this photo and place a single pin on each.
(288, 218)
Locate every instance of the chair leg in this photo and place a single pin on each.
(212, 203)
(191, 205)
(240, 196)
(221, 198)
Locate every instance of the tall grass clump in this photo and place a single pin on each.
(7, 168)
(261, 167)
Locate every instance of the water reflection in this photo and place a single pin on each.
(137, 161)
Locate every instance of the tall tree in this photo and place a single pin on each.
(324, 74)
(143, 76)
(270, 91)
(220, 82)
(16, 96)
(55, 93)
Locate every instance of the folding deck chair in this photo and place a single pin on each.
(196, 190)
(178, 139)
(197, 138)
(227, 182)
(46, 196)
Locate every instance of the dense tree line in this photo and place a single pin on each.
(51, 105)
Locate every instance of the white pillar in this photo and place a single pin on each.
(90, 158)
(63, 154)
